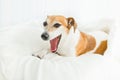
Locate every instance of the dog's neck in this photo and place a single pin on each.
(68, 36)
(68, 42)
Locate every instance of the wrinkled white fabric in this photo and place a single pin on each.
(16, 63)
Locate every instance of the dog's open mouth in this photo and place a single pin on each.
(54, 43)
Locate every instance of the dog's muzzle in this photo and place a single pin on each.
(45, 36)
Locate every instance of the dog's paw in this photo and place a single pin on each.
(37, 56)
(40, 54)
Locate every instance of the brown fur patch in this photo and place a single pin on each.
(102, 47)
(85, 44)
(57, 18)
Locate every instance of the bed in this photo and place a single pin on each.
(19, 42)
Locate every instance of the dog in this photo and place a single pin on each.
(67, 40)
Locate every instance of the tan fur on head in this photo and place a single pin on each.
(67, 23)
(58, 18)
(55, 18)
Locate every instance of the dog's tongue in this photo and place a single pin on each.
(54, 44)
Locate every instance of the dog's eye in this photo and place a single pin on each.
(45, 23)
(57, 25)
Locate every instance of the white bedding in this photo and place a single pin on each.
(16, 63)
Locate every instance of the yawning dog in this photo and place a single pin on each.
(67, 40)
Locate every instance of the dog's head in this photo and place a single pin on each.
(55, 26)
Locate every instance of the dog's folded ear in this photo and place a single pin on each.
(71, 23)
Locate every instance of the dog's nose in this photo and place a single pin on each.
(45, 36)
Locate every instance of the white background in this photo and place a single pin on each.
(20, 11)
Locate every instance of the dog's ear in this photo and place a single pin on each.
(71, 23)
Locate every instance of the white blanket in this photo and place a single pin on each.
(16, 63)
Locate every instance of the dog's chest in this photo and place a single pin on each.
(67, 46)
(66, 49)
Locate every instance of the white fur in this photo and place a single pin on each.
(56, 33)
(68, 43)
